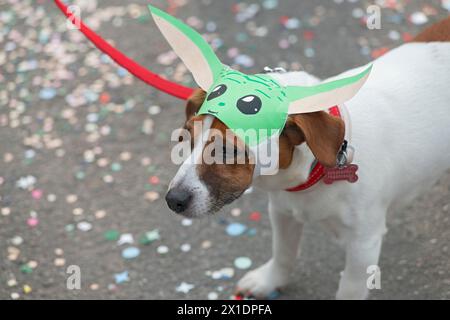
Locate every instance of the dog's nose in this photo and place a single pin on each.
(178, 199)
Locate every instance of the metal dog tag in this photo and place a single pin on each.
(346, 172)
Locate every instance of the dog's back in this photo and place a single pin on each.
(401, 117)
(438, 32)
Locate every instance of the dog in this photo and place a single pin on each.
(400, 123)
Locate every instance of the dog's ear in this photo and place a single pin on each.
(322, 132)
(194, 103)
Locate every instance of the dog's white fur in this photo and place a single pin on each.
(401, 134)
(187, 178)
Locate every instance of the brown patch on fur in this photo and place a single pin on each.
(290, 137)
(227, 182)
(439, 32)
(322, 132)
(194, 102)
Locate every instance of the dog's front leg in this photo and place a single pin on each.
(286, 234)
(361, 252)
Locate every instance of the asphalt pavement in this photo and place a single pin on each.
(85, 149)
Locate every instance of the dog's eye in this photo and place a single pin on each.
(229, 152)
(250, 104)
(217, 91)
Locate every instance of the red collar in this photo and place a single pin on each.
(318, 170)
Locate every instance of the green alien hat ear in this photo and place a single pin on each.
(324, 95)
(257, 104)
(190, 46)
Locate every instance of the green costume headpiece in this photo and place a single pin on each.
(243, 101)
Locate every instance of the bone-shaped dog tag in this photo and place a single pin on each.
(344, 173)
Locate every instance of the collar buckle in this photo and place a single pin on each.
(274, 70)
(342, 156)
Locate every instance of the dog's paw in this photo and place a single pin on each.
(262, 282)
(352, 290)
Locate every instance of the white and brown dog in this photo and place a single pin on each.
(400, 123)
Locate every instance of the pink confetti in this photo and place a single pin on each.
(32, 222)
(255, 216)
(37, 194)
(154, 180)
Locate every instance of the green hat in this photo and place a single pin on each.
(248, 103)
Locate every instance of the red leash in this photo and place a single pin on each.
(134, 68)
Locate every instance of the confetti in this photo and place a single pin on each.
(418, 18)
(37, 194)
(121, 277)
(12, 283)
(273, 295)
(185, 247)
(100, 214)
(184, 287)
(131, 253)
(27, 289)
(242, 263)
(152, 196)
(17, 240)
(206, 244)
(255, 216)
(33, 222)
(270, 4)
(186, 222)
(59, 262)
(235, 229)
(125, 238)
(213, 295)
(84, 226)
(47, 93)
(154, 180)
(150, 237)
(153, 110)
(94, 286)
(162, 249)
(13, 253)
(244, 61)
(236, 212)
(223, 274)
(446, 4)
(25, 268)
(15, 295)
(111, 235)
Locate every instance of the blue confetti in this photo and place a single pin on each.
(47, 93)
(121, 277)
(236, 229)
(121, 72)
(130, 253)
(273, 295)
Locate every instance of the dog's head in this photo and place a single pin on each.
(255, 109)
(203, 188)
